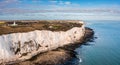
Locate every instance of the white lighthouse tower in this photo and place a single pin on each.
(14, 23)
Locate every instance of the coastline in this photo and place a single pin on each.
(25, 45)
(57, 56)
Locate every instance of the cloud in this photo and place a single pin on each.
(60, 2)
(64, 2)
(53, 1)
(58, 16)
(37, 1)
(5, 3)
(63, 10)
(67, 3)
(58, 6)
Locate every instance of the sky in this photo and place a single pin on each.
(59, 9)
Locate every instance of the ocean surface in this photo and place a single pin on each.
(105, 50)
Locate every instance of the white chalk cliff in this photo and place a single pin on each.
(19, 46)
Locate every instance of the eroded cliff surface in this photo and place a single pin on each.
(21, 46)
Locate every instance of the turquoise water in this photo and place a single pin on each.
(105, 50)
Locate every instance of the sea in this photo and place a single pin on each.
(104, 49)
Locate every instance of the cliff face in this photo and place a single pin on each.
(20, 46)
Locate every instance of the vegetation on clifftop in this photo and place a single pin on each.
(7, 27)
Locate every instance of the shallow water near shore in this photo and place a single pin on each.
(105, 50)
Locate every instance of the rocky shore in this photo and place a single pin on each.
(57, 56)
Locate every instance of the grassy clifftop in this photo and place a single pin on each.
(7, 27)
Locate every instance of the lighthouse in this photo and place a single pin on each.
(14, 23)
